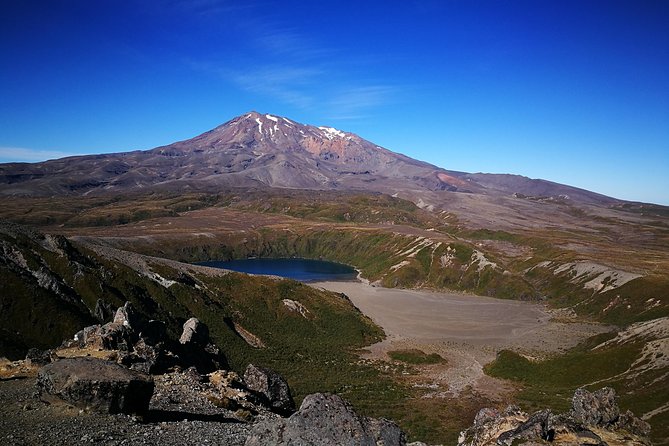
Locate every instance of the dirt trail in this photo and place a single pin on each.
(466, 330)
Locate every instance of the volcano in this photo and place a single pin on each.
(267, 151)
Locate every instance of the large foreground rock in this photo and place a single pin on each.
(270, 387)
(325, 420)
(97, 384)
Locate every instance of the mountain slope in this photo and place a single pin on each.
(249, 150)
(255, 150)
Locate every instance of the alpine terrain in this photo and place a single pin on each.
(490, 308)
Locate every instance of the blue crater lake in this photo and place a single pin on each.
(304, 270)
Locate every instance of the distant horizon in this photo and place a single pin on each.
(574, 92)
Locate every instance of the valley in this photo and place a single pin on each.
(425, 340)
(414, 253)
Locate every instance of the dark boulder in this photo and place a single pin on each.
(154, 332)
(96, 384)
(39, 357)
(325, 420)
(270, 387)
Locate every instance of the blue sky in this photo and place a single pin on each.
(573, 91)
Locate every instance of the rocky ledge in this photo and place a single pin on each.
(126, 382)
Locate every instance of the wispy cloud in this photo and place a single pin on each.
(205, 7)
(286, 83)
(287, 42)
(354, 102)
(22, 154)
(291, 69)
(281, 63)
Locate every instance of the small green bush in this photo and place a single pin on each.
(415, 356)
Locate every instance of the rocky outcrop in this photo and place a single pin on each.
(629, 422)
(325, 420)
(129, 317)
(194, 333)
(270, 387)
(600, 409)
(197, 350)
(593, 417)
(184, 392)
(148, 358)
(227, 389)
(144, 345)
(595, 408)
(537, 427)
(103, 310)
(110, 336)
(96, 384)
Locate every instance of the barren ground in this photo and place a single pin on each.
(466, 330)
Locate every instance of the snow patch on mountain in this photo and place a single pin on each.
(331, 133)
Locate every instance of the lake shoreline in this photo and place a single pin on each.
(296, 268)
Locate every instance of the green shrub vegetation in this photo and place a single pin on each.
(374, 233)
(415, 356)
(305, 350)
(552, 382)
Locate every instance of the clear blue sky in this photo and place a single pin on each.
(574, 91)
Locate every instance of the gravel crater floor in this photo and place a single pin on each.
(467, 330)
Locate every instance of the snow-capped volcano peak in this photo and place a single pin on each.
(275, 128)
